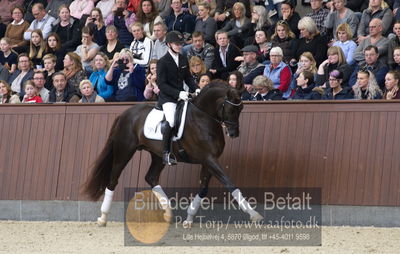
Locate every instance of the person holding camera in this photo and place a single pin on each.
(96, 22)
(127, 77)
(122, 19)
(172, 72)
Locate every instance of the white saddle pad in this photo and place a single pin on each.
(152, 125)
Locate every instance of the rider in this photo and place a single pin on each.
(172, 73)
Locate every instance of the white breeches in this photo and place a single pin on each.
(169, 109)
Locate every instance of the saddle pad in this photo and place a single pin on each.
(152, 125)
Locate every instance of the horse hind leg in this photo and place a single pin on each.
(153, 178)
(194, 206)
(123, 152)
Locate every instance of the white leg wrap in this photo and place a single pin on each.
(193, 208)
(108, 196)
(243, 204)
(161, 196)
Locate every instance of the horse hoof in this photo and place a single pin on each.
(187, 224)
(168, 215)
(256, 217)
(101, 222)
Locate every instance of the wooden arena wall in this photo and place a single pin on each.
(349, 149)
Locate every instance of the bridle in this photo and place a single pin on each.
(221, 121)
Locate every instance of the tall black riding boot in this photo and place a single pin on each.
(168, 157)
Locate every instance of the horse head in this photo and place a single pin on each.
(231, 107)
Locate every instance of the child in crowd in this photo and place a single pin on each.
(49, 62)
(8, 58)
(37, 48)
(31, 94)
(204, 80)
(151, 90)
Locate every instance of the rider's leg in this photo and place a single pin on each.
(169, 109)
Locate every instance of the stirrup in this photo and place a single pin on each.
(169, 158)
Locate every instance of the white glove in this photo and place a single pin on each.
(197, 91)
(183, 95)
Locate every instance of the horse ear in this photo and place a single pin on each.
(233, 93)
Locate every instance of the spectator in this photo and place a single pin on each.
(291, 17)
(200, 48)
(37, 48)
(250, 67)
(49, 62)
(180, 20)
(344, 41)
(285, 39)
(235, 80)
(31, 93)
(377, 9)
(264, 46)
(73, 70)
(67, 28)
(205, 23)
(4, 74)
(259, 21)
(89, 95)
(392, 85)
(106, 7)
(204, 80)
(371, 63)
(39, 80)
(224, 10)
(81, 7)
(357, 5)
(62, 91)
(336, 91)
(28, 6)
(238, 26)
(305, 87)
(113, 45)
(366, 87)
(151, 91)
(127, 78)
(335, 61)
(311, 40)
(375, 38)
(148, 16)
(224, 56)
(55, 48)
(16, 29)
(53, 7)
(338, 15)
(42, 21)
(22, 74)
(163, 7)
(101, 65)
(122, 19)
(394, 42)
(133, 5)
(396, 58)
(96, 23)
(6, 94)
(279, 72)
(8, 58)
(306, 63)
(141, 45)
(6, 7)
(319, 14)
(197, 68)
(160, 47)
(265, 90)
(88, 49)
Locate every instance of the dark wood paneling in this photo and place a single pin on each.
(349, 149)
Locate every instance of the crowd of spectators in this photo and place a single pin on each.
(107, 50)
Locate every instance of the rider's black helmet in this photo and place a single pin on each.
(174, 37)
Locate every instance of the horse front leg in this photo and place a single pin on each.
(194, 206)
(219, 173)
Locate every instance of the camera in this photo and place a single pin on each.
(121, 64)
(94, 20)
(119, 12)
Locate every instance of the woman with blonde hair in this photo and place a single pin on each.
(37, 48)
(311, 40)
(101, 64)
(284, 38)
(73, 69)
(141, 46)
(6, 94)
(344, 40)
(238, 27)
(89, 95)
(196, 67)
(336, 61)
(339, 14)
(392, 85)
(265, 90)
(306, 63)
(259, 21)
(366, 87)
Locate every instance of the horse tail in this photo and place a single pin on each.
(100, 173)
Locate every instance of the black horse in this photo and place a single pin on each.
(203, 141)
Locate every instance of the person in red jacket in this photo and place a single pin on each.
(31, 94)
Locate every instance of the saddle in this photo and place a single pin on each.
(152, 124)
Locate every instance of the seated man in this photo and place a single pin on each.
(200, 48)
(371, 63)
(224, 56)
(160, 47)
(39, 79)
(250, 67)
(42, 21)
(318, 14)
(375, 38)
(62, 91)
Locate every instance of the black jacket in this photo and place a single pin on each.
(346, 94)
(73, 39)
(69, 92)
(306, 93)
(231, 64)
(170, 78)
(272, 95)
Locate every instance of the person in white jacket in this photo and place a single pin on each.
(141, 46)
